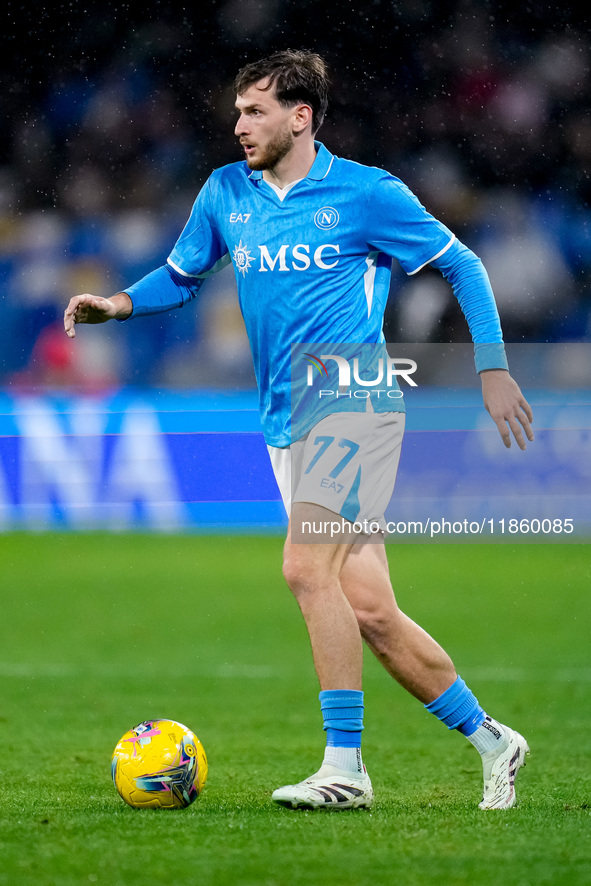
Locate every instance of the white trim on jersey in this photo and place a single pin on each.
(369, 278)
(282, 192)
(220, 263)
(329, 167)
(433, 257)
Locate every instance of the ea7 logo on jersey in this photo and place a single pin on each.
(288, 258)
(240, 217)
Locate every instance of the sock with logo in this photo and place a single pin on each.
(459, 709)
(342, 714)
(489, 736)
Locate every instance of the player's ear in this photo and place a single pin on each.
(302, 117)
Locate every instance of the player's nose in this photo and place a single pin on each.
(241, 127)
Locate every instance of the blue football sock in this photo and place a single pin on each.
(342, 713)
(458, 708)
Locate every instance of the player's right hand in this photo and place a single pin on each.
(88, 308)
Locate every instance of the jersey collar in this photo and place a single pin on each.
(319, 169)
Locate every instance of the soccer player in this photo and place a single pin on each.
(312, 238)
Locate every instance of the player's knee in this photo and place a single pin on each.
(377, 625)
(296, 570)
(304, 573)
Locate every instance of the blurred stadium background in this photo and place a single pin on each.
(113, 118)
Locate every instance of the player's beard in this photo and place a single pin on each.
(273, 153)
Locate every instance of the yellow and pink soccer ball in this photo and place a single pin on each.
(159, 764)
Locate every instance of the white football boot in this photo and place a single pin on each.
(500, 769)
(329, 788)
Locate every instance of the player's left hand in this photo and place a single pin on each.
(507, 406)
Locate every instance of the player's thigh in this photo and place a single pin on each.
(314, 564)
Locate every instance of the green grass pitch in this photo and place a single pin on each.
(98, 632)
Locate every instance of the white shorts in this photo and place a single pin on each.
(347, 464)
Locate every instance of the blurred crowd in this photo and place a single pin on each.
(114, 118)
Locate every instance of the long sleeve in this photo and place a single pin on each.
(162, 290)
(469, 280)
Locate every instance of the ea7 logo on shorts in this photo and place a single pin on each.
(326, 218)
(331, 485)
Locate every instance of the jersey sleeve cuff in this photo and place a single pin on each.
(490, 355)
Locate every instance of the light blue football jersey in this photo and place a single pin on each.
(313, 267)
